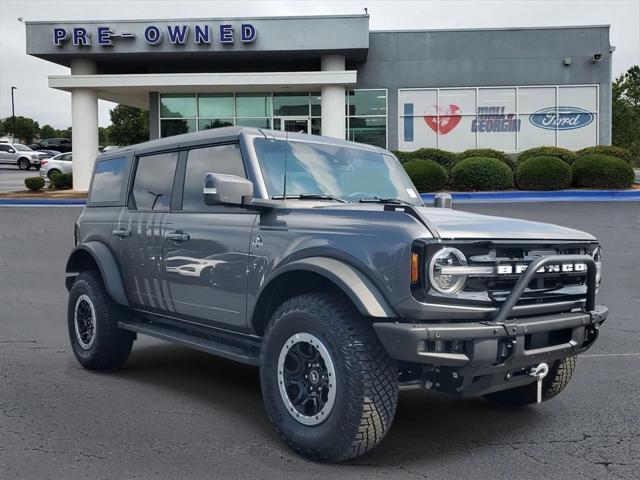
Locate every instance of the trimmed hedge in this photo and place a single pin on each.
(481, 173)
(602, 171)
(543, 173)
(488, 153)
(563, 154)
(62, 181)
(609, 150)
(441, 157)
(34, 183)
(426, 175)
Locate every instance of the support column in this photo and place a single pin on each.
(84, 124)
(332, 100)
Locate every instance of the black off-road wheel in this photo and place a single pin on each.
(328, 385)
(557, 379)
(93, 317)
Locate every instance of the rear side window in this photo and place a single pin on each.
(153, 182)
(225, 159)
(107, 180)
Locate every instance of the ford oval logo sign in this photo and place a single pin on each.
(566, 118)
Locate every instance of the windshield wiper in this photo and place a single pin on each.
(310, 196)
(395, 201)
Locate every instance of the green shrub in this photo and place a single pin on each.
(543, 173)
(481, 173)
(62, 180)
(602, 171)
(488, 153)
(441, 157)
(34, 183)
(426, 175)
(609, 150)
(563, 154)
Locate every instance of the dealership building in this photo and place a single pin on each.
(504, 88)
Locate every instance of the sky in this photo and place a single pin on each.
(48, 106)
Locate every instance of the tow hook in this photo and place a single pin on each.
(539, 373)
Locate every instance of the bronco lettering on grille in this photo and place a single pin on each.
(506, 269)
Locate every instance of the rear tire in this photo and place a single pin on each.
(52, 172)
(556, 380)
(93, 317)
(24, 164)
(363, 384)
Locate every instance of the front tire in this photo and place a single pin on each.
(93, 317)
(557, 379)
(24, 164)
(328, 385)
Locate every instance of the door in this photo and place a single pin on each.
(291, 124)
(7, 153)
(139, 231)
(206, 247)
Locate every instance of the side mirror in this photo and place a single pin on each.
(227, 189)
(11, 150)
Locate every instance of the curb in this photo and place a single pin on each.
(536, 196)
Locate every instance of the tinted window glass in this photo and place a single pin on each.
(4, 148)
(154, 181)
(220, 159)
(107, 180)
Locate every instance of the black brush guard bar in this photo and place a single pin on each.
(505, 310)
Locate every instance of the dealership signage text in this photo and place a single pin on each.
(201, 34)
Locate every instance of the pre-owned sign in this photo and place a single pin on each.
(200, 34)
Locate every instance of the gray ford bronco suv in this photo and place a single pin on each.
(316, 260)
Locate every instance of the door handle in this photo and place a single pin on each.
(121, 232)
(178, 236)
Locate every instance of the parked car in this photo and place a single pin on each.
(61, 163)
(316, 259)
(48, 153)
(60, 144)
(20, 155)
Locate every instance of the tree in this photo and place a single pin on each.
(625, 111)
(47, 131)
(129, 125)
(103, 136)
(25, 128)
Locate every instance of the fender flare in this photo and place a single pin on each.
(362, 292)
(107, 266)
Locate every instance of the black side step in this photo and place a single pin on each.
(206, 343)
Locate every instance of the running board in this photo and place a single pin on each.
(246, 355)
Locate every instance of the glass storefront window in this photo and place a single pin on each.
(369, 130)
(254, 122)
(215, 105)
(176, 127)
(178, 105)
(367, 102)
(209, 123)
(290, 104)
(253, 105)
(316, 126)
(315, 104)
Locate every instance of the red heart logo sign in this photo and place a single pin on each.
(445, 120)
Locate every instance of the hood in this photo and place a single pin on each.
(455, 224)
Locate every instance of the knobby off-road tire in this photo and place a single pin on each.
(365, 378)
(557, 379)
(106, 346)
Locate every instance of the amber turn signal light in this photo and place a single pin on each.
(414, 268)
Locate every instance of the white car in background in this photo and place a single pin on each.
(58, 164)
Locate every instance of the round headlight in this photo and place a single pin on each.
(442, 268)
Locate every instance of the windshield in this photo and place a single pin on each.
(350, 174)
(21, 148)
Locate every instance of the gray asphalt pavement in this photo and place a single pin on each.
(176, 413)
(12, 178)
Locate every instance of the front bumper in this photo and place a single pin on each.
(494, 355)
(475, 358)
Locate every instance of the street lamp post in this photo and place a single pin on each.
(13, 116)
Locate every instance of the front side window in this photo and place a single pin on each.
(21, 148)
(225, 159)
(153, 182)
(351, 174)
(107, 180)
(4, 148)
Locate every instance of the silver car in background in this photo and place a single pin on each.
(59, 164)
(20, 155)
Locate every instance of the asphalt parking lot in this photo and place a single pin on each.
(176, 413)
(12, 178)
